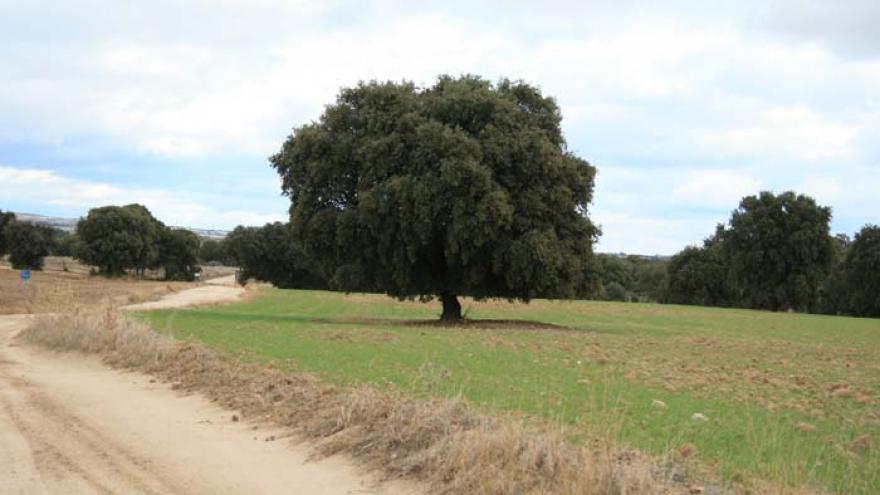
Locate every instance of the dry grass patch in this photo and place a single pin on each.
(445, 443)
(47, 291)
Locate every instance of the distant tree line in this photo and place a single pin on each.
(117, 240)
(120, 240)
(777, 253)
(268, 253)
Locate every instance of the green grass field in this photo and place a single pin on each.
(789, 398)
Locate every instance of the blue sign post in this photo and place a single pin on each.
(25, 275)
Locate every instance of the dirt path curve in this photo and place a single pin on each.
(215, 291)
(70, 425)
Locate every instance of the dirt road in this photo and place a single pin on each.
(70, 425)
(215, 291)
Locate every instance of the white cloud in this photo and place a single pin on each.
(791, 133)
(650, 232)
(198, 95)
(853, 198)
(849, 27)
(713, 188)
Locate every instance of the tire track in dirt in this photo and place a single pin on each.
(61, 443)
(66, 454)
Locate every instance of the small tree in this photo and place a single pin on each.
(780, 250)
(463, 188)
(179, 254)
(28, 244)
(862, 268)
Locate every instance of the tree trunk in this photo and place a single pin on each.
(451, 308)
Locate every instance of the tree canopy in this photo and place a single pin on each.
(239, 243)
(462, 188)
(119, 238)
(780, 250)
(699, 275)
(862, 272)
(270, 254)
(214, 251)
(65, 245)
(28, 244)
(631, 278)
(179, 254)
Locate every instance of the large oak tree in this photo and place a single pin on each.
(461, 188)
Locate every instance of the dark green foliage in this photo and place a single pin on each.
(5, 219)
(66, 245)
(862, 269)
(615, 270)
(120, 238)
(833, 292)
(631, 278)
(779, 251)
(179, 253)
(699, 275)
(28, 244)
(271, 254)
(651, 281)
(463, 188)
(613, 291)
(239, 242)
(212, 251)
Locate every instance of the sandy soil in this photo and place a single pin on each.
(228, 280)
(69, 424)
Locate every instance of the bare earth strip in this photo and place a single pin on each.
(215, 291)
(69, 424)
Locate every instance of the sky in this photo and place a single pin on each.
(683, 107)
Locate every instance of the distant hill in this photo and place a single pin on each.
(69, 225)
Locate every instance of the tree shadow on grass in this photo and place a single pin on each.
(467, 323)
(487, 324)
